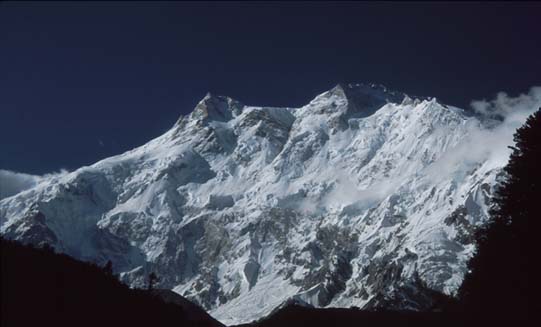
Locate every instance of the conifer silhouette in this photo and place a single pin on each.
(108, 268)
(499, 285)
(152, 279)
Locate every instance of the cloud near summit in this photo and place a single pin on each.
(12, 182)
(505, 106)
(489, 135)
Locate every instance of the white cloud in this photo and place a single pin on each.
(346, 192)
(489, 137)
(12, 182)
(507, 107)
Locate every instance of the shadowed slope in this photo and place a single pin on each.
(41, 287)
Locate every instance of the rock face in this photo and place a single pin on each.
(347, 201)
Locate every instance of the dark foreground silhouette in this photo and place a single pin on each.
(40, 287)
(296, 315)
(503, 283)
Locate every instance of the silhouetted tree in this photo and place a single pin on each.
(108, 268)
(47, 248)
(152, 279)
(500, 282)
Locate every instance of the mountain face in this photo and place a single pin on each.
(355, 199)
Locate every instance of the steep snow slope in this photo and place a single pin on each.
(353, 199)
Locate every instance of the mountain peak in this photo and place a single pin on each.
(313, 201)
(367, 98)
(216, 108)
(356, 100)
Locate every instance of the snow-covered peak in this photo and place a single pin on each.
(357, 100)
(352, 199)
(216, 108)
(371, 97)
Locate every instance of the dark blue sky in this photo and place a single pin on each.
(83, 81)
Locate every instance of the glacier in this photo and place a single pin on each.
(359, 198)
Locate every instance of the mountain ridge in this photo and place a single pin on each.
(348, 200)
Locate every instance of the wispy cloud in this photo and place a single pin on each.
(506, 107)
(489, 134)
(12, 182)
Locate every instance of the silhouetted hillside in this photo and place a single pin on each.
(49, 289)
(193, 312)
(296, 315)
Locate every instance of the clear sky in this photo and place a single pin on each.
(83, 81)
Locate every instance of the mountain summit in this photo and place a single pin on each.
(217, 108)
(354, 199)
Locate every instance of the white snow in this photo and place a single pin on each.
(231, 207)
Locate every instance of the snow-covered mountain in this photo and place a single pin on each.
(356, 199)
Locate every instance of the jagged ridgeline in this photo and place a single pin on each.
(346, 201)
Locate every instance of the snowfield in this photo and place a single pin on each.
(363, 197)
